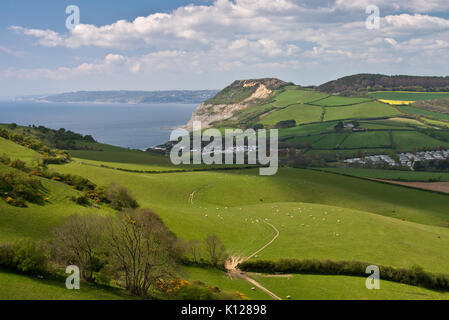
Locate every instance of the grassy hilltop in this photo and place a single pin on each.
(323, 121)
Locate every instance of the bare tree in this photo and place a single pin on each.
(142, 249)
(215, 250)
(194, 249)
(79, 241)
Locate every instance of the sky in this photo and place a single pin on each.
(205, 44)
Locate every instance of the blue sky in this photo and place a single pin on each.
(174, 44)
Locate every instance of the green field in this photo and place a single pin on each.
(313, 287)
(20, 287)
(371, 139)
(364, 110)
(320, 214)
(308, 129)
(409, 96)
(309, 208)
(409, 140)
(299, 112)
(16, 151)
(290, 97)
(390, 174)
(37, 221)
(423, 112)
(330, 141)
(340, 101)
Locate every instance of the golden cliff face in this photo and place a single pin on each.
(209, 113)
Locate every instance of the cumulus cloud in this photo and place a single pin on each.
(233, 35)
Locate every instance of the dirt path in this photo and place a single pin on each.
(233, 262)
(265, 246)
(257, 284)
(192, 195)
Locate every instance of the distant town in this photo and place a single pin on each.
(405, 159)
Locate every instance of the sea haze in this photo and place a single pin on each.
(130, 126)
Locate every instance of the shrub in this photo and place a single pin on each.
(18, 188)
(120, 198)
(286, 124)
(199, 291)
(25, 256)
(30, 257)
(5, 159)
(19, 165)
(82, 200)
(4, 133)
(7, 255)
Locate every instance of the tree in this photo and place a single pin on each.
(194, 249)
(215, 250)
(142, 250)
(79, 241)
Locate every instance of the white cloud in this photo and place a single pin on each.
(12, 52)
(231, 36)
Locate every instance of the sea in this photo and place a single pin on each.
(135, 126)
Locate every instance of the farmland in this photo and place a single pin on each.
(329, 213)
(339, 101)
(367, 140)
(319, 215)
(364, 110)
(300, 113)
(409, 96)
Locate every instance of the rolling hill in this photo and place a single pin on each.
(325, 214)
(374, 123)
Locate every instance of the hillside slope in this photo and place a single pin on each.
(365, 82)
(237, 97)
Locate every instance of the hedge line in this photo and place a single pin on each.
(415, 276)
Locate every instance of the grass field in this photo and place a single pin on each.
(20, 287)
(290, 97)
(390, 174)
(299, 112)
(360, 111)
(303, 139)
(409, 96)
(340, 101)
(16, 151)
(306, 129)
(221, 279)
(423, 112)
(371, 139)
(330, 141)
(318, 287)
(319, 215)
(222, 205)
(409, 140)
(37, 221)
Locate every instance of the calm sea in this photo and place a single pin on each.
(133, 126)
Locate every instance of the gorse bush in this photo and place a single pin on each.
(17, 188)
(53, 156)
